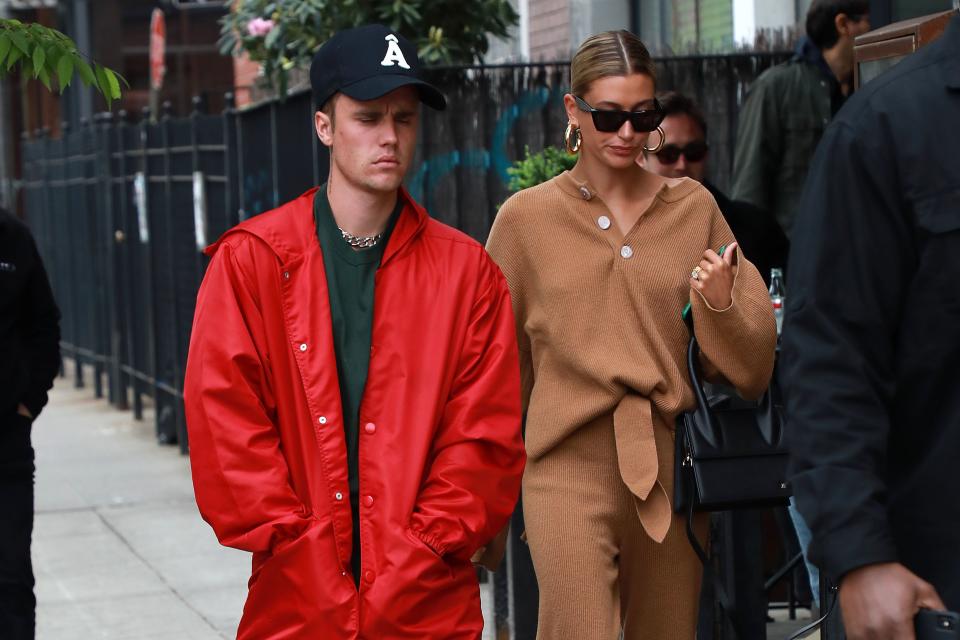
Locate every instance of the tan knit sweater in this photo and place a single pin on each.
(599, 326)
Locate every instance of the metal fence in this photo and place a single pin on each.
(121, 210)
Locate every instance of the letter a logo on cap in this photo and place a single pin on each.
(394, 55)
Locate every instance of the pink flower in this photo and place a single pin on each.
(259, 27)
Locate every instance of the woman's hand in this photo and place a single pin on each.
(714, 276)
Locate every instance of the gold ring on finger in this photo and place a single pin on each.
(695, 274)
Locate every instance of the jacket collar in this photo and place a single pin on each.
(411, 223)
(807, 52)
(722, 200)
(290, 229)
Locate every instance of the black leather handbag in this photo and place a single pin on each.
(730, 455)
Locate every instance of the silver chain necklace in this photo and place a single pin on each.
(360, 242)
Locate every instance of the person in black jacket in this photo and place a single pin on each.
(29, 361)
(684, 154)
(871, 345)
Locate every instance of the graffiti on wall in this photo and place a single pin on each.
(497, 158)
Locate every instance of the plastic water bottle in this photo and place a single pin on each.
(778, 297)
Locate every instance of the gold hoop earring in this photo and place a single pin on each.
(572, 138)
(659, 146)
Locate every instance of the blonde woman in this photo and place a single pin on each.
(601, 261)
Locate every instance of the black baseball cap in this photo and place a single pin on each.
(366, 63)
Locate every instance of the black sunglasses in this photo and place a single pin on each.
(694, 152)
(608, 120)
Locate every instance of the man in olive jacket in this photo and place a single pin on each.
(789, 106)
(29, 360)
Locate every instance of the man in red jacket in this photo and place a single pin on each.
(352, 389)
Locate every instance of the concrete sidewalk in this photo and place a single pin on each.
(119, 548)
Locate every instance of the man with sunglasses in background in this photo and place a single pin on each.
(684, 154)
(789, 106)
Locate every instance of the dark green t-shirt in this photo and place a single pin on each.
(350, 280)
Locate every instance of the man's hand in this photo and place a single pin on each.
(491, 554)
(22, 410)
(879, 602)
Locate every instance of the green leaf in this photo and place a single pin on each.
(103, 83)
(5, 44)
(272, 37)
(44, 76)
(39, 57)
(65, 71)
(13, 57)
(112, 83)
(228, 42)
(86, 73)
(20, 41)
(54, 53)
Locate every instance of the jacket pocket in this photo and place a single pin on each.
(437, 562)
(296, 585)
(801, 135)
(938, 249)
(939, 213)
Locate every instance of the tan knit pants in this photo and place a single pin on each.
(598, 571)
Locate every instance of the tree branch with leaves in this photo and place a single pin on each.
(48, 55)
(284, 34)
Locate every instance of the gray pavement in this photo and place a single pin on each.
(119, 550)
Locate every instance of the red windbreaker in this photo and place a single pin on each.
(440, 455)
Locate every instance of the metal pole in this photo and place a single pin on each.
(274, 152)
(242, 213)
(6, 138)
(113, 299)
(94, 297)
(179, 420)
(84, 98)
(231, 216)
(146, 259)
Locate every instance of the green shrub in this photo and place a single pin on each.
(539, 167)
(284, 34)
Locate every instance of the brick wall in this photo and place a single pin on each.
(245, 73)
(549, 29)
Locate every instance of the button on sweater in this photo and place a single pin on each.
(599, 326)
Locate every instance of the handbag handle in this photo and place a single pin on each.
(703, 407)
(768, 402)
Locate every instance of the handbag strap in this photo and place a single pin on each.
(816, 624)
(693, 362)
(710, 575)
(693, 366)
